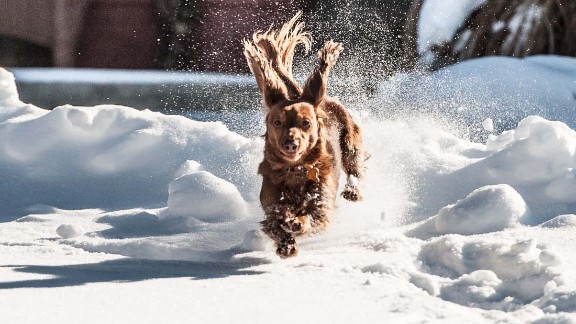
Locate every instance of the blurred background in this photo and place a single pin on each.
(87, 40)
(194, 35)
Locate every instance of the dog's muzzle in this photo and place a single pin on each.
(291, 147)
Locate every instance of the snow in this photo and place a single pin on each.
(69, 231)
(110, 214)
(221, 200)
(561, 221)
(484, 275)
(504, 89)
(488, 125)
(439, 20)
(118, 76)
(487, 209)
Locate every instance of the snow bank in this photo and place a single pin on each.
(524, 176)
(530, 157)
(108, 156)
(561, 221)
(8, 92)
(113, 157)
(504, 89)
(538, 159)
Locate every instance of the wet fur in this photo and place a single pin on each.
(293, 203)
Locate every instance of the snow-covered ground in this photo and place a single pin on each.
(113, 215)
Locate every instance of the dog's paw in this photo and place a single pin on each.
(287, 249)
(352, 193)
(297, 225)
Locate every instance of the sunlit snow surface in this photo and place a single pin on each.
(111, 212)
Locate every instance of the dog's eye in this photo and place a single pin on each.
(305, 123)
(277, 123)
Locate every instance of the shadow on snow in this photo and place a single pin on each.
(126, 270)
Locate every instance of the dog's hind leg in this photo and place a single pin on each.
(353, 158)
(350, 142)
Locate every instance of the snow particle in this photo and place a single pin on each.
(488, 125)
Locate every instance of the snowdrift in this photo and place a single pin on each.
(108, 156)
(445, 220)
(504, 90)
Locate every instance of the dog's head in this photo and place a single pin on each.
(293, 129)
(294, 115)
(293, 125)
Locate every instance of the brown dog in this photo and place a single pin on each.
(305, 129)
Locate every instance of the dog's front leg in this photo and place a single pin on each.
(277, 216)
(296, 225)
(320, 203)
(286, 246)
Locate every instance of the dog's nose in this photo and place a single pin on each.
(290, 146)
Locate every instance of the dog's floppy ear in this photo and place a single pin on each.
(271, 86)
(279, 47)
(269, 47)
(288, 37)
(315, 88)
